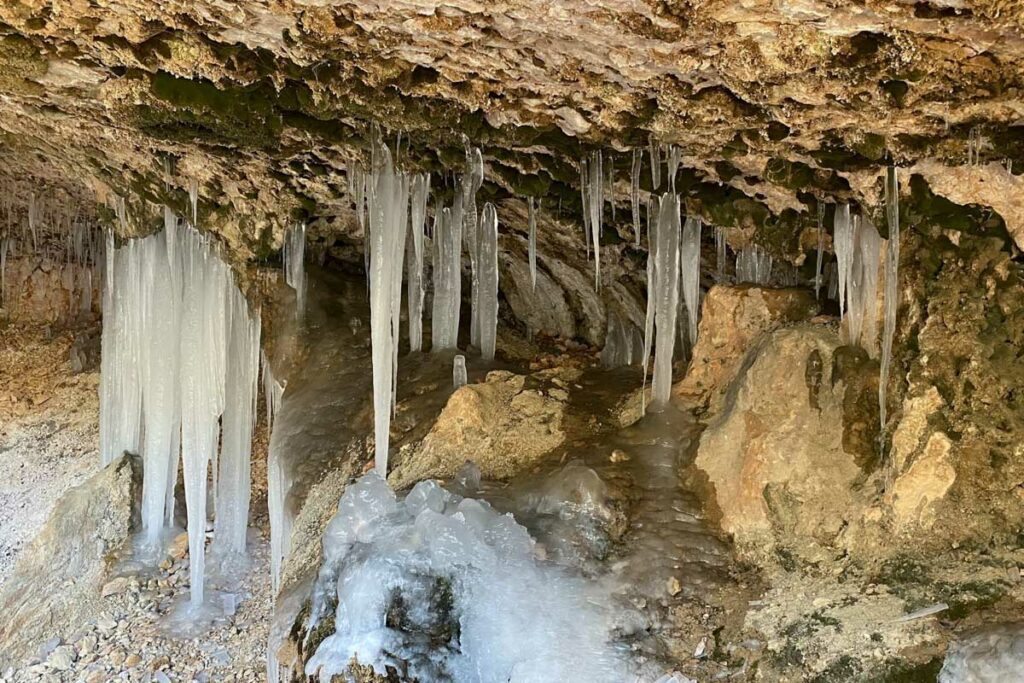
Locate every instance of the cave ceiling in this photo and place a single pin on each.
(775, 105)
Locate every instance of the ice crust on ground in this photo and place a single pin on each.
(454, 590)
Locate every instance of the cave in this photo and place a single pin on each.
(444, 342)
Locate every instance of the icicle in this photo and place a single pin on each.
(892, 262)
(595, 207)
(294, 257)
(357, 189)
(420, 191)
(388, 213)
(447, 276)
(666, 293)
(720, 254)
(193, 197)
(459, 376)
(488, 267)
(634, 194)
(842, 243)
(532, 248)
(690, 273)
(655, 153)
(753, 264)
(862, 288)
(472, 179)
(674, 157)
(623, 343)
(821, 250)
(585, 202)
(235, 477)
(611, 186)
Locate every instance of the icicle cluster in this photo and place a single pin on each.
(623, 343)
(294, 257)
(858, 252)
(388, 202)
(892, 262)
(753, 264)
(179, 374)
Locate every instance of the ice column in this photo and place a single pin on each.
(237, 423)
(892, 262)
(388, 203)
(294, 254)
(420, 191)
(447, 276)
(488, 267)
(459, 376)
(472, 179)
(690, 264)
(666, 295)
(532, 248)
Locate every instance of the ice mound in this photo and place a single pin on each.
(444, 588)
(991, 655)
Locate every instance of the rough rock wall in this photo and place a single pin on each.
(44, 291)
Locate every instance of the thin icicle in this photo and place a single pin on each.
(720, 254)
(420, 191)
(675, 155)
(753, 264)
(193, 197)
(690, 273)
(447, 276)
(655, 152)
(488, 266)
(821, 250)
(595, 208)
(652, 241)
(892, 263)
(585, 201)
(532, 248)
(634, 194)
(842, 243)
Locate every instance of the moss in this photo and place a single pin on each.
(900, 671)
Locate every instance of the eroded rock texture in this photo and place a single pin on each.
(265, 104)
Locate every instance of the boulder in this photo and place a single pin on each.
(780, 456)
(57, 582)
(503, 425)
(732, 317)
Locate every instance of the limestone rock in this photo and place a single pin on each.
(926, 481)
(502, 425)
(732, 317)
(89, 522)
(775, 454)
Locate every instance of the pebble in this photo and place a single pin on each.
(62, 658)
(132, 660)
(118, 585)
(160, 663)
(619, 455)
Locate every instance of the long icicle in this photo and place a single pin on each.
(666, 291)
(488, 302)
(821, 249)
(420, 191)
(532, 245)
(634, 194)
(892, 263)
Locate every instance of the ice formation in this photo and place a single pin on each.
(821, 250)
(487, 299)
(593, 207)
(655, 151)
(753, 264)
(447, 276)
(665, 292)
(180, 350)
(472, 179)
(388, 203)
(418, 216)
(842, 243)
(634, 193)
(623, 343)
(862, 285)
(721, 255)
(690, 274)
(532, 244)
(991, 654)
(459, 375)
(294, 256)
(446, 588)
(892, 289)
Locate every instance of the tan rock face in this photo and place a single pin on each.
(502, 425)
(58, 580)
(775, 455)
(43, 291)
(731, 319)
(926, 482)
